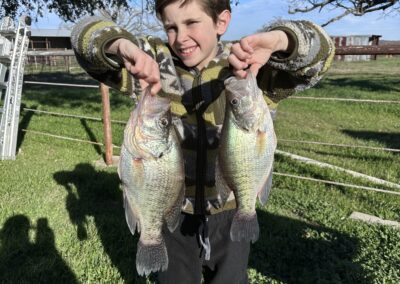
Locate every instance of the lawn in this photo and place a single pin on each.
(61, 215)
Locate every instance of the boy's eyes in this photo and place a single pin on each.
(192, 22)
(170, 29)
(174, 28)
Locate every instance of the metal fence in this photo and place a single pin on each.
(39, 61)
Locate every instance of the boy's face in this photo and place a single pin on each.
(191, 32)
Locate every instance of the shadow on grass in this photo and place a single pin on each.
(61, 77)
(97, 195)
(380, 84)
(391, 140)
(23, 124)
(288, 250)
(23, 261)
(293, 251)
(91, 135)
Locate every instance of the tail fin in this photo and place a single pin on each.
(244, 227)
(151, 258)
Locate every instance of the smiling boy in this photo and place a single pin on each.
(289, 56)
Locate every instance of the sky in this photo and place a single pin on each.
(250, 15)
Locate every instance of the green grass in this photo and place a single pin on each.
(61, 216)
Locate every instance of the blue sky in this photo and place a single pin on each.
(250, 15)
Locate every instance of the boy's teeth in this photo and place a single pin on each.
(187, 50)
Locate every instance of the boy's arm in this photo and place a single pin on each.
(137, 63)
(109, 53)
(285, 70)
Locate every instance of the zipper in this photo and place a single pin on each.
(201, 146)
(201, 166)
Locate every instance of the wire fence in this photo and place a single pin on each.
(68, 64)
(35, 64)
(280, 141)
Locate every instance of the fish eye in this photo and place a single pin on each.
(163, 122)
(234, 102)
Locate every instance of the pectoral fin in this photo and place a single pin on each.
(222, 187)
(173, 216)
(130, 216)
(263, 194)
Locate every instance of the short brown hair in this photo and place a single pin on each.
(211, 7)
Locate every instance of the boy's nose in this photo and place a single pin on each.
(181, 35)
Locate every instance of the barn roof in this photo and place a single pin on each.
(50, 33)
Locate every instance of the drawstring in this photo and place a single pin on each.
(205, 239)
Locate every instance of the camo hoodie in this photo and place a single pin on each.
(197, 104)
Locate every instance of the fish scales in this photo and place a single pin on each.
(152, 175)
(243, 146)
(246, 153)
(163, 179)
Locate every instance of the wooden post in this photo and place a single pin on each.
(105, 98)
(69, 64)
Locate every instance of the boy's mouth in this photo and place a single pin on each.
(187, 51)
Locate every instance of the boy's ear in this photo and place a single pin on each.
(223, 22)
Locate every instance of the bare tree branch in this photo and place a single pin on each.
(314, 5)
(134, 18)
(335, 18)
(353, 7)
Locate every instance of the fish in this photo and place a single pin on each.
(151, 170)
(246, 153)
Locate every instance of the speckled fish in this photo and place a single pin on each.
(246, 154)
(152, 173)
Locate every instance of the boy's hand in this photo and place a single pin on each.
(138, 63)
(253, 51)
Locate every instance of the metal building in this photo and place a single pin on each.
(355, 40)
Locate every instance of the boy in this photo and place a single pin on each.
(191, 68)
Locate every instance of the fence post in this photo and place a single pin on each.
(105, 98)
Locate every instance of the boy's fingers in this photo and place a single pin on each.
(153, 74)
(245, 44)
(143, 84)
(142, 71)
(237, 50)
(136, 68)
(241, 74)
(236, 63)
(155, 88)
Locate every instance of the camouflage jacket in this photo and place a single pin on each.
(197, 103)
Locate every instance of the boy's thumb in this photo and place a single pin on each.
(154, 88)
(254, 68)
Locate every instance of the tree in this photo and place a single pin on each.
(135, 18)
(70, 10)
(347, 7)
